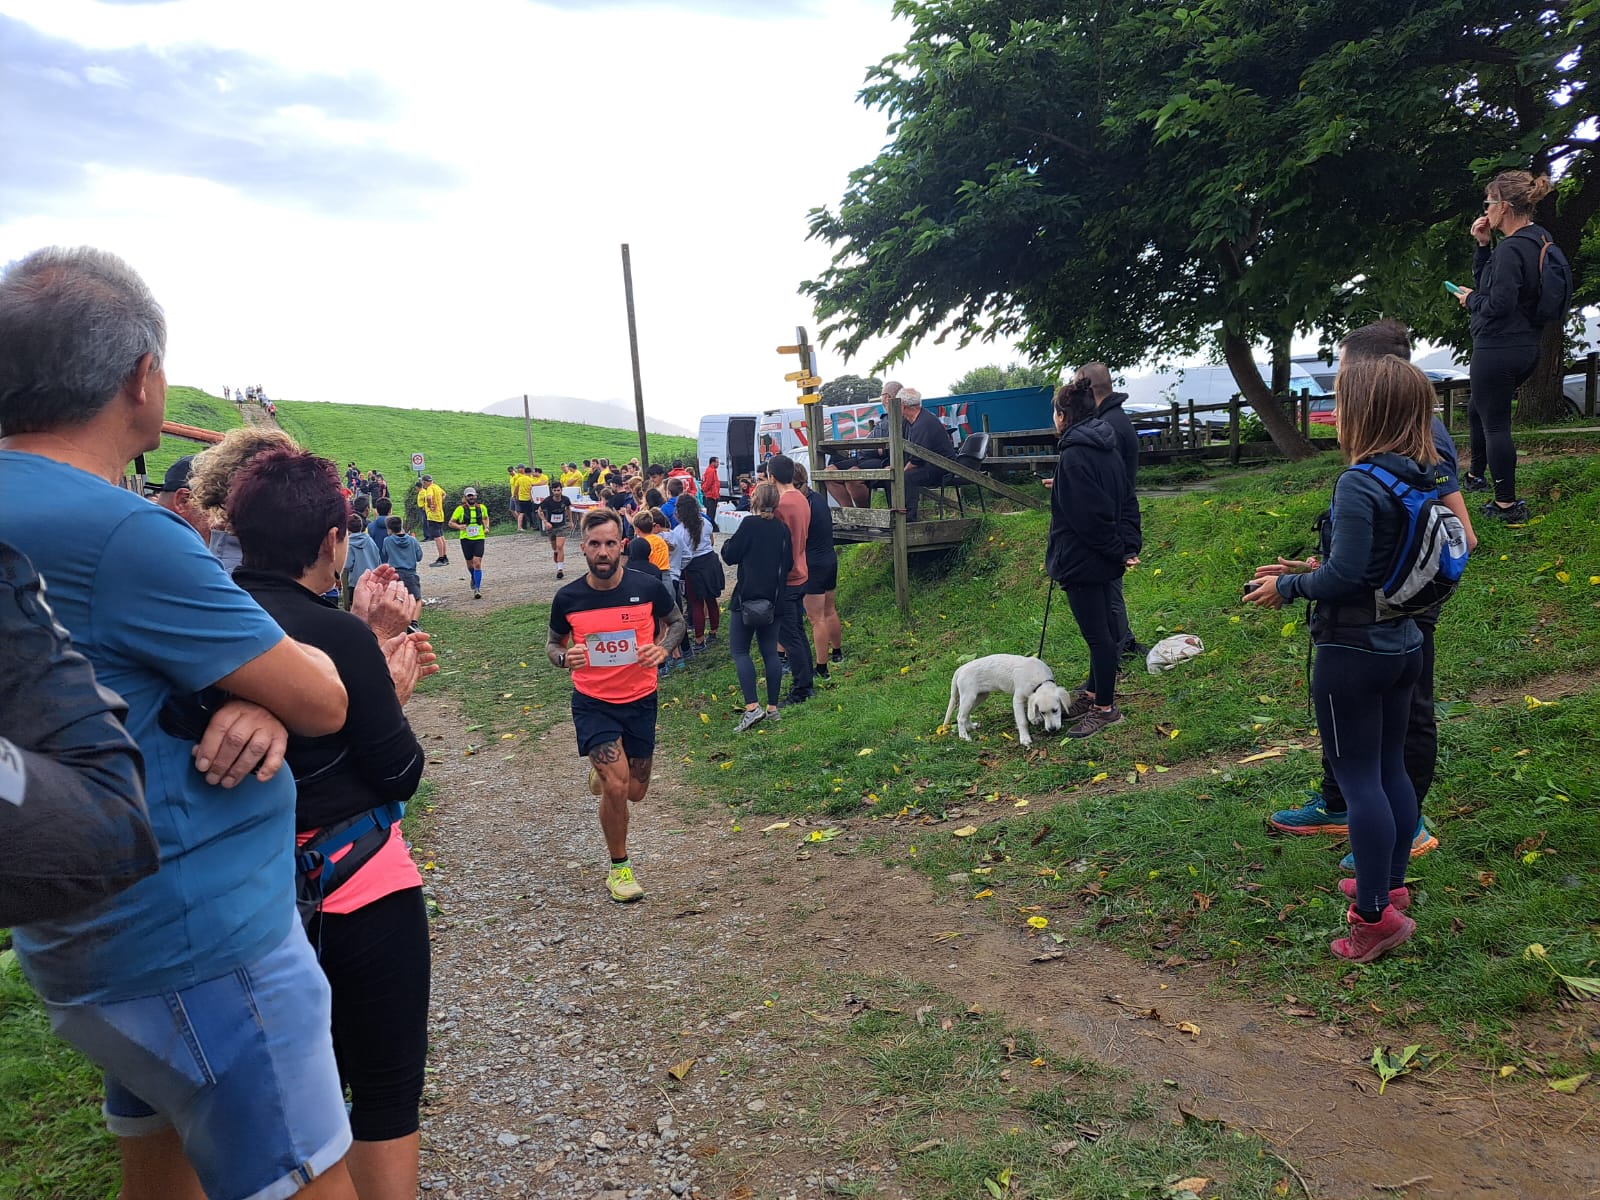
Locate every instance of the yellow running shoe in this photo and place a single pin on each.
(623, 887)
(596, 788)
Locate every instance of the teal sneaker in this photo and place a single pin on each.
(1421, 842)
(1313, 817)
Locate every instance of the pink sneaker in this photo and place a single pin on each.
(1369, 941)
(1399, 897)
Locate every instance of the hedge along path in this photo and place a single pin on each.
(776, 906)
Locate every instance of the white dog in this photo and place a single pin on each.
(1035, 695)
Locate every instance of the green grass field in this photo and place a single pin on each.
(460, 447)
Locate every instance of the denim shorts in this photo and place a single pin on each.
(241, 1066)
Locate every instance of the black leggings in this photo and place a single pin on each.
(766, 636)
(377, 962)
(1422, 732)
(1497, 372)
(1091, 605)
(1363, 708)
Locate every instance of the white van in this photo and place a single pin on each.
(730, 438)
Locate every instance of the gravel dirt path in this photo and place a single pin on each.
(558, 1014)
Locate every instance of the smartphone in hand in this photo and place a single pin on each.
(1453, 289)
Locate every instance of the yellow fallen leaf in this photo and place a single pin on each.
(1508, 1069)
(776, 825)
(1038, 1062)
(1534, 702)
(522, 664)
(1564, 576)
(1570, 1084)
(1594, 580)
(1250, 758)
(679, 1070)
(427, 866)
(964, 831)
(1100, 778)
(705, 718)
(1038, 922)
(1140, 767)
(1020, 804)
(905, 670)
(1189, 1027)
(985, 894)
(725, 766)
(1173, 734)
(864, 751)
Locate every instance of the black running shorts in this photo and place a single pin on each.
(600, 722)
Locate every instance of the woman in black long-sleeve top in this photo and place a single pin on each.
(760, 548)
(1505, 331)
(292, 521)
(1089, 547)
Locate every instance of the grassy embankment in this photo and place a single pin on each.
(1155, 828)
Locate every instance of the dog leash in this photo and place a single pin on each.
(1045, 624)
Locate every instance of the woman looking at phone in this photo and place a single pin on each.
(1505, 331)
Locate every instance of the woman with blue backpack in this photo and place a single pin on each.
(1392, 549)
(1521, 285)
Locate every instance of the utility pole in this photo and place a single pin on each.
(633, 347)
(527, 427)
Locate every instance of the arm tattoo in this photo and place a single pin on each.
(609, 753)
(670, 632)
(554, 647)
(639, 769)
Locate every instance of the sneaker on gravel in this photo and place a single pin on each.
(1399, 897)
(595, 786)
(625, 889)
(1367, 941)
(560, 574)
(1421, 842)
(1312, 817)
(1095, 720)
(751, 716)
(1516, 511)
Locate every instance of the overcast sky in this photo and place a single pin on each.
(422, 204)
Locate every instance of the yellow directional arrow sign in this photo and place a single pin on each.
(793, 375)
(806, 381)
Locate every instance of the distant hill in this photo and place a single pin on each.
(608, 414)
(459, 447)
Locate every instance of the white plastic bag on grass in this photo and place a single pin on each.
(1169, 652)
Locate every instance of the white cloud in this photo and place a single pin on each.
(701, 139)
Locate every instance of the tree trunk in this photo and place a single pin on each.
(1540, 400)
(1280, 426)
(1280, 365)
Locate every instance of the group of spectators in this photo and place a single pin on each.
(205, 876)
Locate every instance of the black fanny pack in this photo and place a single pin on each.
(318, 876)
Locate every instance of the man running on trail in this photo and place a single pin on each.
(472, 519)
(555, 516)
(612, 629)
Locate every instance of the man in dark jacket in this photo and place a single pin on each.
(72, 814)
(1109, 407)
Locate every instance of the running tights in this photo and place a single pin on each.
(1363, 708)
(1497, 372)
(377, 963)
(1422, 731)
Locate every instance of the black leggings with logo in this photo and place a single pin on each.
(1497, 372)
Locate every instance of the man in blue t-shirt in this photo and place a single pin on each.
(195, 990)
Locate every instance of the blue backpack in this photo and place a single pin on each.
(1432, 555)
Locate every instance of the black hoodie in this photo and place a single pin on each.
(1503, 302)
(1088, 507)
(1111, 412)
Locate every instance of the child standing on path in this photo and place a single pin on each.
(1366, 668)
(403, 552)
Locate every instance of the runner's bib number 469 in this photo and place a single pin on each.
(619, 649)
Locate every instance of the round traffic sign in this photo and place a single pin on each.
(416, 462)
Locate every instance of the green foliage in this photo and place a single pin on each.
(190, 406)
(852, 389)
(1151, 180)
(995, 378)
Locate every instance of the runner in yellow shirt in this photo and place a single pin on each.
(430, 499)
